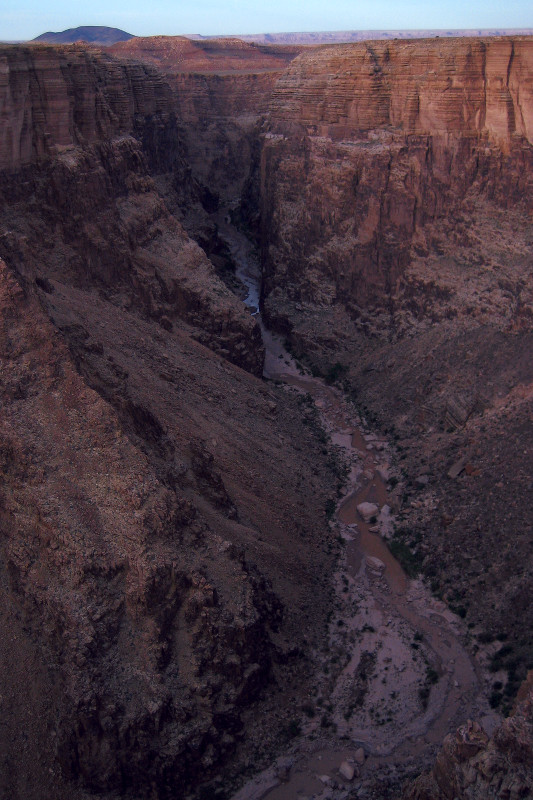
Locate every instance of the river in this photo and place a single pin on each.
(406, 678)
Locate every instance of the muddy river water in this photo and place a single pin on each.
(406, 679)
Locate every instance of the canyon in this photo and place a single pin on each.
(171, 503)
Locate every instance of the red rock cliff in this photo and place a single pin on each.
(70, 96)
(222, 88)
(369, 146)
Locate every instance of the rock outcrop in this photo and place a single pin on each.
(472, 766)
(70, 96)
(222, 89)
(82, 138)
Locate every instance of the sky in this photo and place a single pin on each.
(25, 19)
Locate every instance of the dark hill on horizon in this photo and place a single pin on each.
(95, 34)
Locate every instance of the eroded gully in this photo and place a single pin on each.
(394, 678)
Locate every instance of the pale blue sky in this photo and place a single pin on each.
(25, 19)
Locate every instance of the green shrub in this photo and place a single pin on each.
(293, 729)
(432, 675)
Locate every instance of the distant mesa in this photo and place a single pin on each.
(94, 34)
(346, 37)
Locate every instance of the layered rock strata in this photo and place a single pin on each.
(370, 147)
(222, 89)
(162, 565)
(82, 137)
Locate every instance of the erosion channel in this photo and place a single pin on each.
(394, 677)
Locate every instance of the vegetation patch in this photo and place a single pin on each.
(410, 559)
(335, 373)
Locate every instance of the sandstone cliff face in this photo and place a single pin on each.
(222, 89)
(470, 87)
(370, 147)
(53, 99)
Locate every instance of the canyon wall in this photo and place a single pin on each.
(222, 89)
(149, 590)
(372, 149)
(82, 137)
(396, 214)
(56, 99)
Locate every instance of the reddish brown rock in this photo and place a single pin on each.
(396, 237)
(178, 54)
(53, 98)
(79, 167)
(470, 765)
(162, 567)
(372, 148)
(222, 89)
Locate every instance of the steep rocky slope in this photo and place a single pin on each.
(396, 190)
(150, 589)
(369, 145)
(81, 136)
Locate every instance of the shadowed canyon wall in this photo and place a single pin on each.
(82, 136)
(148, 589)
(222, 89)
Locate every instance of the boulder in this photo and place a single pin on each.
(374, 565)
(283, 769)
(347, 771)
(456, 469)
(367, 511)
